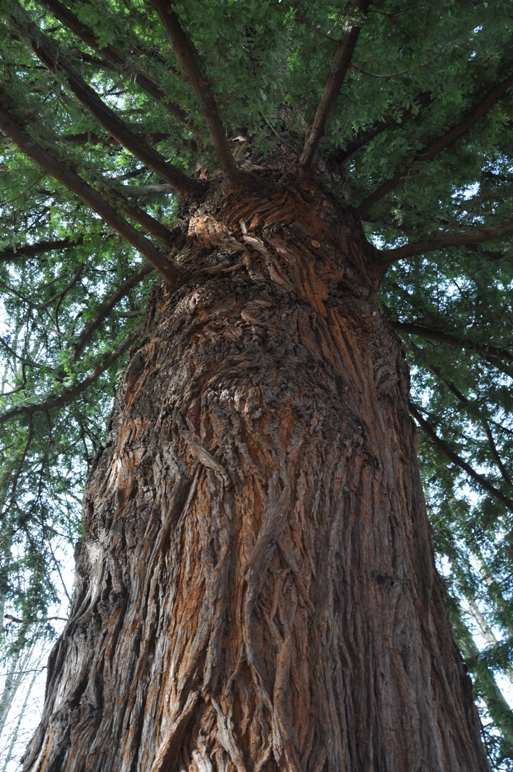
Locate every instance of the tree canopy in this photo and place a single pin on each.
(111, 112)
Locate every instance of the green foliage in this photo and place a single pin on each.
(418, 69)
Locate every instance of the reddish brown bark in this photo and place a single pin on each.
(256, 587)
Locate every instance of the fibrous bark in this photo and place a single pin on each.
(256, 587)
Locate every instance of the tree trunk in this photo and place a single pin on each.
(256, 587)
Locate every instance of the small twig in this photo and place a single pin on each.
(81, 188)
(9, 201)
(106, 307)
(438, 9)
(58, 568)
(117, 59)
(489, 352)
(63, 291)
(53, 59)
(395, 74)
(429, 152)
(19, 467)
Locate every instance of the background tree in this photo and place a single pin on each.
(119, 122)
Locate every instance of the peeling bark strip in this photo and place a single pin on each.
(256, 587)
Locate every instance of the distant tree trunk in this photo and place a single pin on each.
(256, 587)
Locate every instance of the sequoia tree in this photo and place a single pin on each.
(297, 196)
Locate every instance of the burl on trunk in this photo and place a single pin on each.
(256, 587)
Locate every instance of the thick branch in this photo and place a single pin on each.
(69, 395)
(54, 60)
(138, 191)
(118, 196)
(441, 240)
(428, 429)
(149, 223)
(106, 307)
(36, 249)
(116, 58)
(187, 55)
(490, 352)
(430, 151)
(77, 185)
(339, 68)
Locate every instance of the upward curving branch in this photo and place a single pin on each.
(117, 59)
(339, 68)
(441, 240)
(187, 55)
(54, 60)
(92, 198)
(448, 138)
